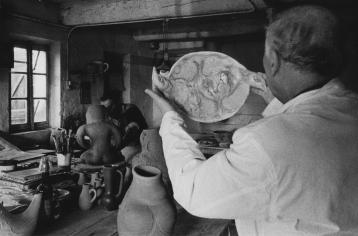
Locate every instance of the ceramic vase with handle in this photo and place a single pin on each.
(87, 197)
(81, 178)
(113, 186)
(147, 208)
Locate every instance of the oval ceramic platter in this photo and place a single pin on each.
(207, 86)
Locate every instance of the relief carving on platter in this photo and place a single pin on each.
(208, 86)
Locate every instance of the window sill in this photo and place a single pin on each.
(30, 131)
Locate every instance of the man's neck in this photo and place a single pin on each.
(301, 82)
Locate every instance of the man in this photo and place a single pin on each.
(129, 120)
(294, 172)
(114, 110)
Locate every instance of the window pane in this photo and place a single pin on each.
(18, 112)
(20, 54)
(19, 67)
(39, 61)
(40, 113)
(39, 85)
(18, 86)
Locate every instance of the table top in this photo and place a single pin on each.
(100, 222)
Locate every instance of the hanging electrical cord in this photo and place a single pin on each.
(164, 67)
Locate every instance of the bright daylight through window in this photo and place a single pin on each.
(28, 89)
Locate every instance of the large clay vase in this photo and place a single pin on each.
(23, 224)
(87, 197)
(147, 208)
(152, 154)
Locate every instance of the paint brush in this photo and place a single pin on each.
(56, 144)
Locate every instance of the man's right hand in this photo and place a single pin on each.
(262, 90)
(158, 97)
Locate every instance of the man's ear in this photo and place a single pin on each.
(274, 60)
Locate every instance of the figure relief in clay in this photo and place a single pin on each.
(104, 138)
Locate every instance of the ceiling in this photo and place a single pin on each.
(84, 12)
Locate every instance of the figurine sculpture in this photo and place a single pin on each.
(23, 224)
(104, 138)
(147, 208)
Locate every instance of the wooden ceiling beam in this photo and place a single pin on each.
(109, 11)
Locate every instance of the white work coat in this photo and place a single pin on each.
(294, 172)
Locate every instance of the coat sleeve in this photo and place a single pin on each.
(232, 184)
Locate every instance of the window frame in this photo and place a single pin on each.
(31, 124)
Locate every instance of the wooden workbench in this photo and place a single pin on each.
(99, 222)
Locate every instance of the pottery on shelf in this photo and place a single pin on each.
(87, 197)
(104, 137)
(152, 154)
(23, 224)
(147, 208)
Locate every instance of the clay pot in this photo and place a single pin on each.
(98, 185)
(94, 176)
(82, 178)
(147, 208)
(23, 224)
(113, 184)
(152, 154)
(87, 197)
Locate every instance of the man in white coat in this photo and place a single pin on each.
(294, 172)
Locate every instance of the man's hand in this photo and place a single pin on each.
(260, 87)
(160, 101)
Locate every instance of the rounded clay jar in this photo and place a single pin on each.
(147, 208)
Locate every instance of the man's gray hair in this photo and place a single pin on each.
(309, 37)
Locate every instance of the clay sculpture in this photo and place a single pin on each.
(147, 208)
(23, 224)
(104, 138)
(208, 86)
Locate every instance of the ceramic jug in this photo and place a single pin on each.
(152, 154)
(113, 186)
(98, 185)
(87, 197)
(81, 178)
(147, 208)
(23, 224)
(94, 176)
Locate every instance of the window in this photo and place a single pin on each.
(28, 89)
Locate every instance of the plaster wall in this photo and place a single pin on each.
(55, 39)
(135, 63)
(4, 104)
